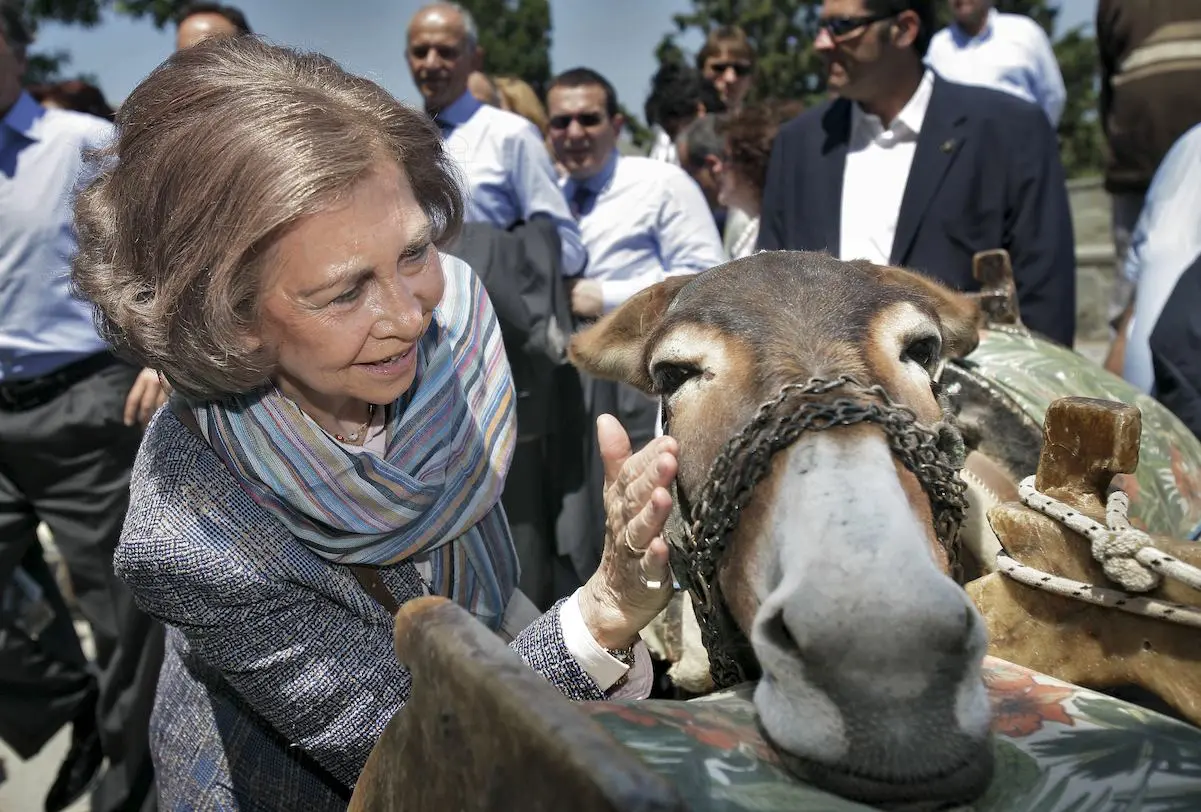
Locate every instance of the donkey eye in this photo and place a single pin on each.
(668, 377)
(923, 351)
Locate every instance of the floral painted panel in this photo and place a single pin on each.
(1165, 493)
(1059, 748)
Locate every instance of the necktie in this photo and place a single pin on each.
(445, 126)
(581, 201)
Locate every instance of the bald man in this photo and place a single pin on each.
(201, 21)
(509, 174)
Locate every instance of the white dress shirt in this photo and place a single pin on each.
(43, 326)
(1011, 53)
(508, 172)
(1166, 241)
(875, 176)
(647, 220)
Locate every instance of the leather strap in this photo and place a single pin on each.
(368, 577)
(992, 476)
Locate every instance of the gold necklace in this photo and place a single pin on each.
(362, 430)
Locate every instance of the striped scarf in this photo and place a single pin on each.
(437, 491)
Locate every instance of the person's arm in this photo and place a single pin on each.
(688, 240)
(536, 187)
(327, 680)
(1051, 92)
(1038, 226)
(771, 215)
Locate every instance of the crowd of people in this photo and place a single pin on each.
(289, 353)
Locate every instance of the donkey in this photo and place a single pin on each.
(834, 561)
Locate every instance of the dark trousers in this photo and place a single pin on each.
(580, 526)
(67, 462)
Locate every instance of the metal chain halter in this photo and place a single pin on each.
(697, 540)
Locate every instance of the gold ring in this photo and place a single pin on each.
(625, 537)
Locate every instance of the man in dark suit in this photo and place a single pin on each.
(905, 168)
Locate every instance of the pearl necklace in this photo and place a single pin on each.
(353, 437)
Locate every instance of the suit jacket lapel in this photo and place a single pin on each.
(836, 124)
(940, 140)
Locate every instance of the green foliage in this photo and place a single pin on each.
(50, 66)
(515, 36)
(45, 67)
(783, 32)
(87, 12)
(640, 134)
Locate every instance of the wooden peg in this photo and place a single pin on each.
(1086, 442)
(998, 293)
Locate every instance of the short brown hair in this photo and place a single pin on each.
(218, 152)
(749, 135)
(729, 38)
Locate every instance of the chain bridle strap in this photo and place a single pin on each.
(697, 538)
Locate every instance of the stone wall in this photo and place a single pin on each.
(1094, 258)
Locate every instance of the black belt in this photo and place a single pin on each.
(21, 396)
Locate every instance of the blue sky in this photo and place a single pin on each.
(616, 37)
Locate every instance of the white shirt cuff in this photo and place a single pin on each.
(603, 667)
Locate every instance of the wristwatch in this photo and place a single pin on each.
(626, 657)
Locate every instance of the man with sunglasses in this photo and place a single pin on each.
(642, 220)
(906, 168)
(728, 61)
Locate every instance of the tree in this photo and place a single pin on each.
(783, 32)
(49, 66)
(515, 36)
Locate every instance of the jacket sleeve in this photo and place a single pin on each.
(771, 216)
(320, 674)
(1038, 227)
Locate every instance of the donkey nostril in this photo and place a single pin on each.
(777, 633)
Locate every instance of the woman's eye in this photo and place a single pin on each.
(349, 296)
(667, 378)
(416, 257)
(924, 352)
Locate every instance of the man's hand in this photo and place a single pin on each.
(586, 299)
(148, 393)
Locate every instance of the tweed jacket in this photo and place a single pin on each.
(280, 673)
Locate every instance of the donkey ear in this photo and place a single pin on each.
(613, 347)
(959, 314)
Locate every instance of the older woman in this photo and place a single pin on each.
(264, 233)
(749, 134)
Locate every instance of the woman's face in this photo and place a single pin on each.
(734, 191)
(348, 292)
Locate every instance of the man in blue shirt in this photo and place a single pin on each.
(70, 425)
(642, 221)
(507, 170)
(1008, 52)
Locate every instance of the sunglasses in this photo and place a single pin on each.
(585, 120)
(739, 68)
(842, 27)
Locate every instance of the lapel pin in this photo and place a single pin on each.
(948, 145)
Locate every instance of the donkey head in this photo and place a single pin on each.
(870, 653)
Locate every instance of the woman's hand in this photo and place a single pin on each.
(633, 583)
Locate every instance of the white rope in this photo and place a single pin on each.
(1098, 596)
(1125, 554)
